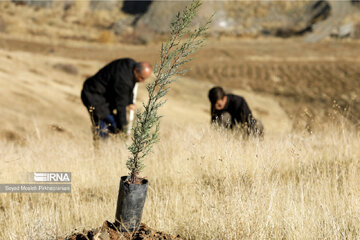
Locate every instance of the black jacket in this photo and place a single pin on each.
(111, 88)
(237, 107)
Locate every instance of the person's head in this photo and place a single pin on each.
(217, 98)
(142, 71)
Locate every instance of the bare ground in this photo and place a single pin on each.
(289, 84)
(109, 231)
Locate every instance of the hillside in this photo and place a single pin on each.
(41, 93)
(299, 182)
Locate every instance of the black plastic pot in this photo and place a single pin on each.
(130, 205)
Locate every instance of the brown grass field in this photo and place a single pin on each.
(204, 184)
(300, 182)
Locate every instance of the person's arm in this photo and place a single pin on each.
(131, 98)
(246, 114)
(213, 114)
(122, 100)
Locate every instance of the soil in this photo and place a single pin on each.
(302, 82)
(108, 231)
(137, 180)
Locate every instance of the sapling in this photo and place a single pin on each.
(182, 42)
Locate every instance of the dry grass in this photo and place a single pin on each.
(204, 184)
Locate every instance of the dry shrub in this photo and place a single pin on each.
(106, 37)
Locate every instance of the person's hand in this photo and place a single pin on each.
(131, 107)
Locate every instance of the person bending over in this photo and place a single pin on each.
(109, 92)
(229, 110)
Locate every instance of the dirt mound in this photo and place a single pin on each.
(108, 231)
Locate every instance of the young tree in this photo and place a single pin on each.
(174, 53)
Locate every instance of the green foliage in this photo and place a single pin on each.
(174, 53)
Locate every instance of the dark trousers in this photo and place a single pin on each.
(101, 128)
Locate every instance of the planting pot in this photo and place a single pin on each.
(130, 204)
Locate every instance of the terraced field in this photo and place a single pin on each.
(306, 78)
(299, 81)
(310, 79)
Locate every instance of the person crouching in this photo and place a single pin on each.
(229, 110)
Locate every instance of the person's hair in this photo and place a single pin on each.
(140, 66)
(215, 94)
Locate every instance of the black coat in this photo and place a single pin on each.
(238, 108)
(111, 88)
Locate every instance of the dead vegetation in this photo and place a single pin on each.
(211, 186)
(301, 182)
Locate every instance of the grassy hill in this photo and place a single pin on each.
(301, 181)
